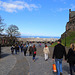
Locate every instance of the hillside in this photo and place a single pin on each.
(70, 38)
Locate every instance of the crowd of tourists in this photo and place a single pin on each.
(24, 48)
(57, 57)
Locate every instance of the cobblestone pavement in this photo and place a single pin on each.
(42, 67)
(7, 62)
(21, 65)
(13, 64)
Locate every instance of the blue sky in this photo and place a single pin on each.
(37, 17)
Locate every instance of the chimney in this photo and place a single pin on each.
(69, 14)
(69, 10)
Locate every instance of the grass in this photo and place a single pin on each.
(69, 39)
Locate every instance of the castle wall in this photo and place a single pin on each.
(71, 24)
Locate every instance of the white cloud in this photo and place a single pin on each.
(62, 9)
(72, 6)
(13, 6)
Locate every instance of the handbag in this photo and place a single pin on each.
(54, 67)
(34, 52)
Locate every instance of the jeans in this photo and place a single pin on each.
(58, 66)
(34, 56)
(15, 51)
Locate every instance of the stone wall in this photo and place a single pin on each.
(71, 24)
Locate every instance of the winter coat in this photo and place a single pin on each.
(46, 50)
(34, 50)
(24, 49)
(30, 49)
(71, 56)
(12, 48)
(59, 52)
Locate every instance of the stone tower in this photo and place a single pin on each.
(71, 24)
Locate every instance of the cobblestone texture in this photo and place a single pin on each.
(42, 67)
(7, 62)
(24, 65)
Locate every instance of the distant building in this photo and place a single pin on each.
(71, 24)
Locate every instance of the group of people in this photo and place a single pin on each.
(59, 52)
(15, 48)
(32, 50)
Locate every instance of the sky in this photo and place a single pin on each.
(37, 17)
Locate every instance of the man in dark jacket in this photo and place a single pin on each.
(25, 50)
(58, 53)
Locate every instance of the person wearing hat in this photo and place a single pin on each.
(58, 53)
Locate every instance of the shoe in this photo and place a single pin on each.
(61, 74)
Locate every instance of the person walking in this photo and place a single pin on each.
(30, 50)
(71, 58)
(12, 49)
(58, 53)
(16, 49)
(34, 52)
(46, 52)
(25, 50)
(21, 48)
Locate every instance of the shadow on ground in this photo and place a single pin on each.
(4, 55)
(66, 68)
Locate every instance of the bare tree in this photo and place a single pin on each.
(1, 25)
(13, 31)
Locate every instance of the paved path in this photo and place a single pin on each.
(7, 62)
(42, 67)
(13, 64)
(21, 65)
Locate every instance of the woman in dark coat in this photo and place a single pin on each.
(71, 58)
(30, 50)
(34, 52)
